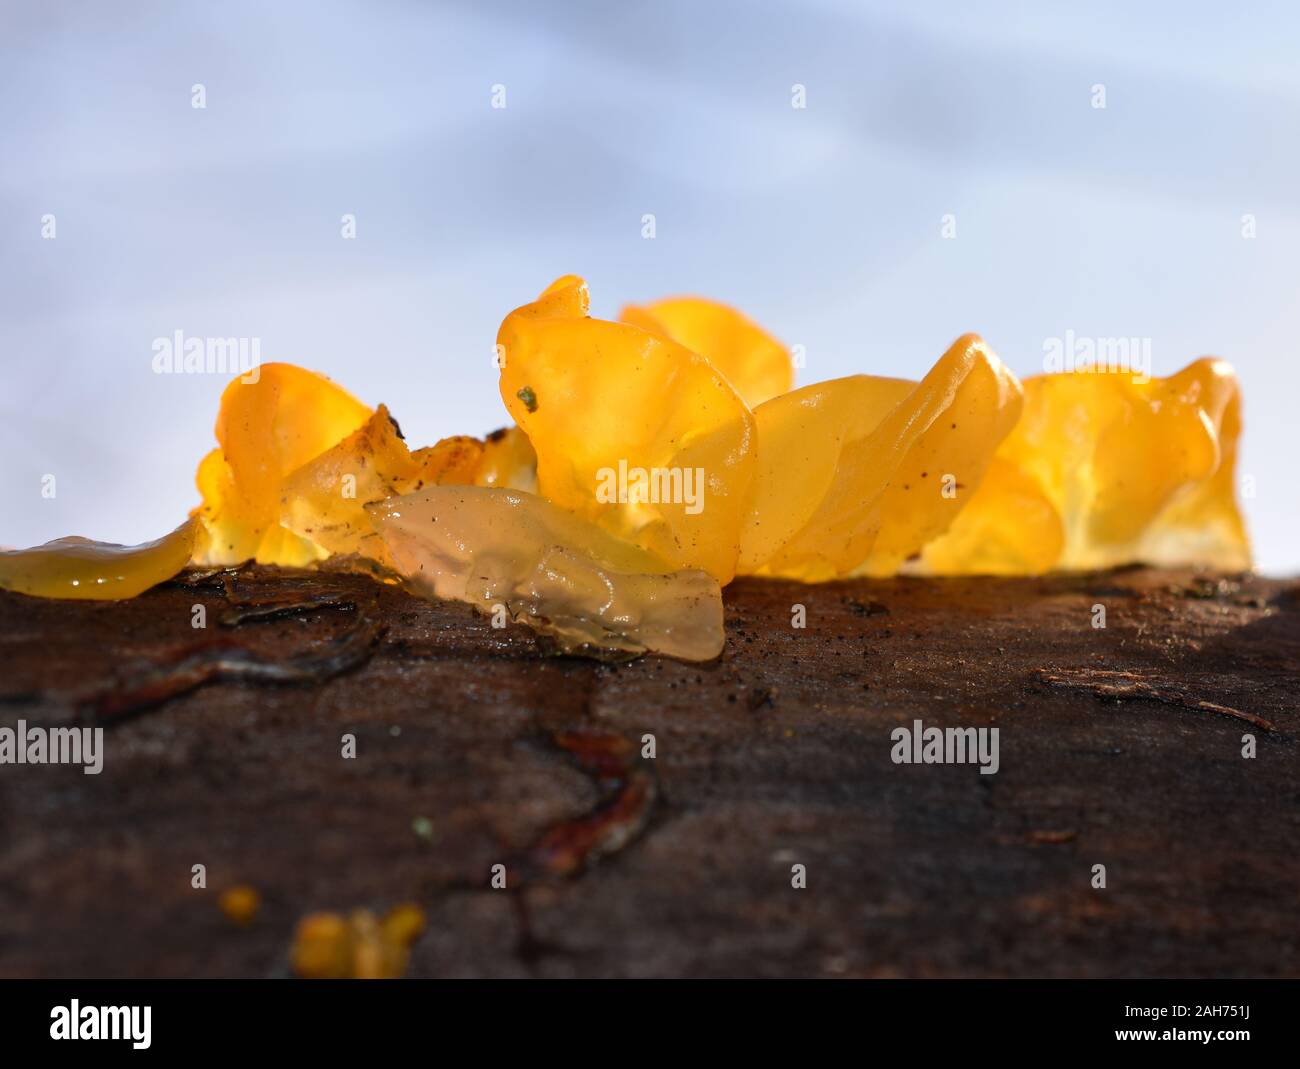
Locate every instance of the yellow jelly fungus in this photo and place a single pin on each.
(1008, 527)
(898, 477)
(329, 946)
(1132, 470)
(756, 364)
(240, 904)
(298, 459)
(505, 548)
(454, 461)
(403, 924)
(265, 430)
(96, 571)
(637, 479)
(508, 462)
(320, 948)
(800, 438)
(610, 405)
(324, 501)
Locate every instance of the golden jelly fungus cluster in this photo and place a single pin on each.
(297, 460)
(1102, 470)
(592, 395)
(359, 946)
(653, 459)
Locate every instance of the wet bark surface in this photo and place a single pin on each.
(1119, 746)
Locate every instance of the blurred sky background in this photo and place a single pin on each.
(822, 223)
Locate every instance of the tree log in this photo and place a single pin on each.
(1119, 746)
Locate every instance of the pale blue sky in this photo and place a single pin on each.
(823, 223)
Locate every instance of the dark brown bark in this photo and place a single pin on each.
(1119, 746)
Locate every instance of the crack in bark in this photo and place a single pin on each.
(224, 660)
(1129, 686)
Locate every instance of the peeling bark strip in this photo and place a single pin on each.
(275, 608)
(193, 666)
(1049, 837)
(1129, 686)
(628, 795)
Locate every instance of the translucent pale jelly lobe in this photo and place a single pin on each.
(96, 571)
(553, 570)
(324, 500)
